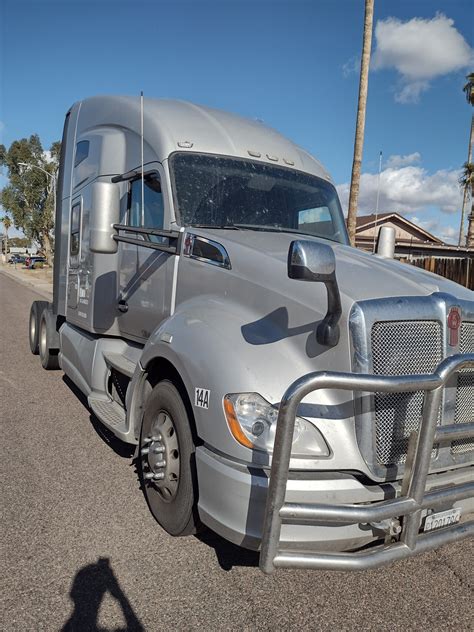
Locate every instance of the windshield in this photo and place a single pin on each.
(217, 191)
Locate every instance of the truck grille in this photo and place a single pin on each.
(402, 348)
(464, 412)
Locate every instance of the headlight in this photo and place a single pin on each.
(252, 422)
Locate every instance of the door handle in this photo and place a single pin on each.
(123, 306)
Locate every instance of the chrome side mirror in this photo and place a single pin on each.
(105, 212)
(313, 261)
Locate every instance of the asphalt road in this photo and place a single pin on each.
(79, 550)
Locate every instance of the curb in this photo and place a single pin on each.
(32, 285)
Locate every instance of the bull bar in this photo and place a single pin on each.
(408, 506)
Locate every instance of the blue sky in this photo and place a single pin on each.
(291, 63)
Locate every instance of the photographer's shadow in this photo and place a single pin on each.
(89, 587)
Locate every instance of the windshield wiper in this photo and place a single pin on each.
(264, 229)
(219, 226)
(269, 229)
(282, 229)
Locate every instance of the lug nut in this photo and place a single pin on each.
(160, 464)
(157, 449)
(153, 476)
(144, 451)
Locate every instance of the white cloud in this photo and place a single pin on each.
(430, 225)
(420, 50)
(397, 161)
(351, 67)
(407, 189)
(449, 234)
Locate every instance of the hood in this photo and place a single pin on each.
(360, 275)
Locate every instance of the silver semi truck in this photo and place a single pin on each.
(294, 394)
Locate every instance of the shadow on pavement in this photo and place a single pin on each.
(119, 447)
(89, 587)
(228, 554)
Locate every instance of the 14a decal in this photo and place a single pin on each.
(201, 397)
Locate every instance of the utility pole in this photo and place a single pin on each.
(360, 125)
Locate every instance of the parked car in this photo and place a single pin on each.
(35, 262)
(17, 259)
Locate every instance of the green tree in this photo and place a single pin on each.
(19, 242)
(29, 196)
(7, 224)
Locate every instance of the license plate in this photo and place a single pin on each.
(442, 519)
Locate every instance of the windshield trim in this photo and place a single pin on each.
(344, 234)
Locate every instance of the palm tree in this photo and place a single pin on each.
(360, 125)
(469, 88)
(7, 224)
(467, 177)
(465, 181)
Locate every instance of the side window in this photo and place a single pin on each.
(82, 151)
(75, 229)
(318, 220)
(153, 215)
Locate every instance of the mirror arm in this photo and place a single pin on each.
(328, 330)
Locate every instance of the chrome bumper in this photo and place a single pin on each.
(408, 507)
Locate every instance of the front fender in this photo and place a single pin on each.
(212, 346)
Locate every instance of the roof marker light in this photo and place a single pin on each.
(273, 158)
(288, 162)
(186, 144)
(255, 154)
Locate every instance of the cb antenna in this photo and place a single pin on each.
(377, 201)
(141, 149)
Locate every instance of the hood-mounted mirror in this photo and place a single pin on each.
(313, 261)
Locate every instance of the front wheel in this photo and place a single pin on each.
(167, 461)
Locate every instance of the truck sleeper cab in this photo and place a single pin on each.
(296, 395)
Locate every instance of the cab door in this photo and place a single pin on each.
(145, 275)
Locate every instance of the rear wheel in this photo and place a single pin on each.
(166, 461)
(37, 308)
(47, 335)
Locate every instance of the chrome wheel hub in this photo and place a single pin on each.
(160, 457)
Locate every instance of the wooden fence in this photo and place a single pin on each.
(458, 269)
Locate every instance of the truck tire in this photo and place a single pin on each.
(36, 310)
(48, 341)
(167, 461)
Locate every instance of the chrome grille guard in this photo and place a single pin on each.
(408, 506)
